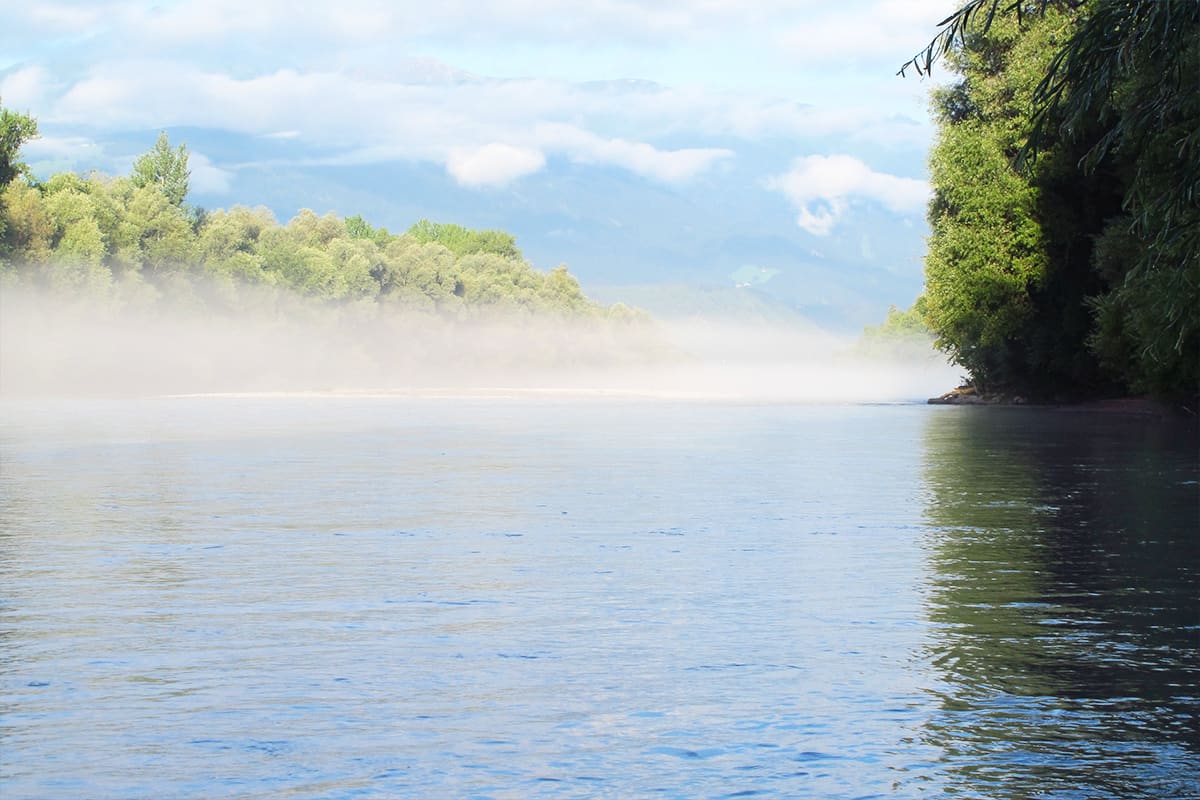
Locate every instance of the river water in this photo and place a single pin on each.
(541, 596)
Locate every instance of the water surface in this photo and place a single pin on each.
(518, 597)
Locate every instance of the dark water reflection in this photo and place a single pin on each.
(1065, 562)
(514, 597)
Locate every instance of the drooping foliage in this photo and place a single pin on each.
(1065, 256)
(1140, 72)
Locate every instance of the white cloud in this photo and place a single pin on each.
(64, 148)
(65, 17)
(361, 111)
(371, 109)
(25, 88)
(236, 32)
(822, 187)
(206, 177)
(381, 38)
(493, 164)
(466, 124)
(667, 166)
(888, 30)
(206, 21)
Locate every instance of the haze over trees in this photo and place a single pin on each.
(901, 335)
(134, 237)
(1064, 259)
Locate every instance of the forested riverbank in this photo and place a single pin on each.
(133, 240)
(114, 284)
(1064, 257)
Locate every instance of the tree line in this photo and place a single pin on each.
(1064, 257)
(135, 236)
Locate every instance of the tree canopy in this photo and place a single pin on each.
(131, 234)
(15, 130)
(463, 241)
(1065, 250)
(165, 169)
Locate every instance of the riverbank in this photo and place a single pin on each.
(1141, 405)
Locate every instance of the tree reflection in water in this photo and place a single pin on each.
(1064, 559)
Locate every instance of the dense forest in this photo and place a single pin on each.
(135, 239)
(1064, 257)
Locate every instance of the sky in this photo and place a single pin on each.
(711, 145)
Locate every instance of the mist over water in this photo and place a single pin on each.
(516, 557)
(52, 344)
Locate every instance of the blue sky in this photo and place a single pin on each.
(678, 141)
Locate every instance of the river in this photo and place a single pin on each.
(521, 595)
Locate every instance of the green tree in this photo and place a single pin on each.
(228, 243)
(994, 294)
(423, 274)
(307, 228)
(15, 130)
(1108, 143)
(562, 292)
(1139, 72)
(71, 207)
(27, 226)
(359, 228)
(464, 241)
(129, 241)
(902, 334)
(356, 263)
(164, 169)
(158, 230)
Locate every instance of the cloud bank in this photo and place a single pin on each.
(492, 92)
(822, 188)
(494, 164)
(485, 132)
(203, 23)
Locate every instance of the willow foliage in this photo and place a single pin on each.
(1082, 269)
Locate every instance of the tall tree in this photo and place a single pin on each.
(1002, 298)
(15, 130)
(165, 169)
(1136, 65)
(1107, 149)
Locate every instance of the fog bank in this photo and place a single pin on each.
(55, 345)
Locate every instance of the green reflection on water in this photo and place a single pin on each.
(1064, 558)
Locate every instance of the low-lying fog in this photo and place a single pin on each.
(55, 346)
